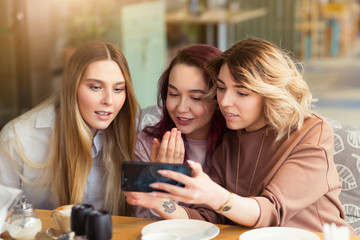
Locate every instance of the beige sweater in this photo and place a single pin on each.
(294, 181)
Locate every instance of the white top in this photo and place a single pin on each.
(33, 130)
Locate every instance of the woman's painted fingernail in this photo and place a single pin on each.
(154, 185)
(190, 161)
(162, 172)
(152, 194)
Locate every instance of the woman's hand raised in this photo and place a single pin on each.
(170, 150)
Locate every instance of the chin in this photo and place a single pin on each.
(233, 127)
(101, 127)
(184, 131)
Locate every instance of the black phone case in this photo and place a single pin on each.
(136, 176)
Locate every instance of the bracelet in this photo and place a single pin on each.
(226, 206)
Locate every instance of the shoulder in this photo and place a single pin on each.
(143, 141)
(316, 119)
(27, 123)
(317, 126)
(144, 137)
(28, 137)
(316, 131)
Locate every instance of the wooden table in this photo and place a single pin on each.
(223, 18)
(129, 228)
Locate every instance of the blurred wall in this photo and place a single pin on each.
(25, 52)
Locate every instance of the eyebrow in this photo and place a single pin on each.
(100, 81)
(236, 85)
(192, 90)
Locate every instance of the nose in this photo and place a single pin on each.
(107, 97)
(226, 99)
(183, 105)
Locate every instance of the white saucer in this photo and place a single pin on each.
(186, 229)
(278, 233)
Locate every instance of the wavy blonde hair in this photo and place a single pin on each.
(71, 157)
(269, 71)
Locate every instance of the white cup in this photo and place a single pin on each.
(160, 236)
(61, 217)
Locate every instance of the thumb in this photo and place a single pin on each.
(154, 150)
(196, 167)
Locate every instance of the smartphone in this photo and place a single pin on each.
(136, 176)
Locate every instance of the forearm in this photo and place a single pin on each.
(244, 210)
(169, 209)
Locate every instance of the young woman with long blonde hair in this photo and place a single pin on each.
(70, 148)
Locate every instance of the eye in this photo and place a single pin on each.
(196, 99)
(219, 88)
(173, 94)
(118, 90)
(242, 94)
(95, 87)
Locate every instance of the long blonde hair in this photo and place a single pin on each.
(71, 157)
(269, 71)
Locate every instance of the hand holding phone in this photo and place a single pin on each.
(136, 176)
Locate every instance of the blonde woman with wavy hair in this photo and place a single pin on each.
(70, 148)
(270, 72)
(276, 167)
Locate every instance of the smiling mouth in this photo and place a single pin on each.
(184, 119)
(103, 113)
(229, 115)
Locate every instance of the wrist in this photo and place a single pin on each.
(166, 206)
(225, 207)
(221, 195)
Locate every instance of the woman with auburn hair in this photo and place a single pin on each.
(276, 167)
(194, 125)
(70, 148)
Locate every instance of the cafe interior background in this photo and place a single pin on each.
(38, 36)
